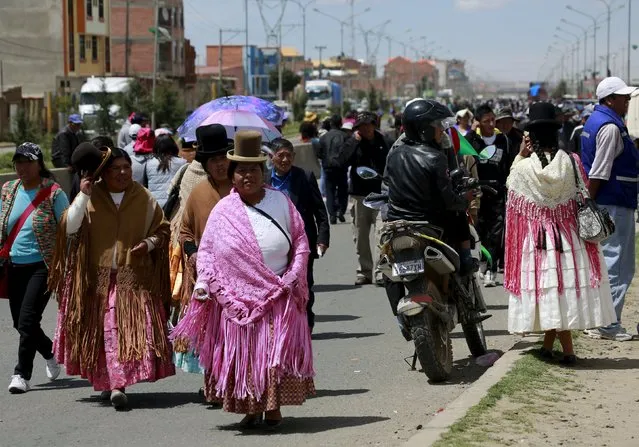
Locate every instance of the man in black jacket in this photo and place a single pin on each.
(367, 147)
(301, 187)
(65, 143)
(494, 168)
(335, 172)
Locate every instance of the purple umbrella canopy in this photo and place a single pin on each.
(262, 108)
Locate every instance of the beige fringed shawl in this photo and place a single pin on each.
(82, 269)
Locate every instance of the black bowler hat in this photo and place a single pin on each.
(212, 140)
(542, 113)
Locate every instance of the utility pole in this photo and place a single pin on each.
(220, 59)
(126, 40)
(629, 43)
(320, 48)
(1, 80)
(155, 58)
(353, 29)
(280, 68)
(248, 87)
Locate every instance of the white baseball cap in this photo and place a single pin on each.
(134, 129)
(347, 126)
(613, 86)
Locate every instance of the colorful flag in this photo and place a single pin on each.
(461, 144)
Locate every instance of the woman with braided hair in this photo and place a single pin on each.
(554, 278)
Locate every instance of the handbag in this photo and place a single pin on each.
(6, 247)
(174, 196)
(594, 223)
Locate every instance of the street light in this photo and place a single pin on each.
(585, 30)
(303, 7)
(342, 23)
(594, 39)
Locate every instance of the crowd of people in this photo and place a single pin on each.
(198, 256)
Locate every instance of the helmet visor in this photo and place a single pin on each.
(444, 124)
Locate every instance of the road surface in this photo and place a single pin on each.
(366, 394)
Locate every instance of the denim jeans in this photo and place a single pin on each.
(619, 253)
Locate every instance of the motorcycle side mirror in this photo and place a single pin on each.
(456, 175)
(366, 173)
(488, 152)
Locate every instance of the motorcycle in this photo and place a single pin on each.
(413, 253)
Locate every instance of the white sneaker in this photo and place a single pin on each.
(119, 400)
(53, 369)
(489, 279)
(622, 335)
(18, 385)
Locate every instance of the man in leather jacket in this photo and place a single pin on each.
(419, 185)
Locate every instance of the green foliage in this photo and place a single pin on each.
(64, 104)
(360, 94)
(289, 81)
(169, 107)
(105, 122)
(24, 129)
(373, 100)
(136, 99)
(299, 106)
(560, 90)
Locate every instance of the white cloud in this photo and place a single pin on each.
(474, 5)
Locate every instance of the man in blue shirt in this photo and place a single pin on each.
(610, 159)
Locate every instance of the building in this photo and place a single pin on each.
(31, 45)
(407, 77)
(132, 38)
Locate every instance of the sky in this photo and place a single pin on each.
(502, 40)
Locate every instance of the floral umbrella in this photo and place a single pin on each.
(264, 109)
(234, 120)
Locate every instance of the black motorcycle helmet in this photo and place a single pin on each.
(420, 115)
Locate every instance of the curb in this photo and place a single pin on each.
(458, 408)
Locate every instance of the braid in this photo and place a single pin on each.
(545, 139)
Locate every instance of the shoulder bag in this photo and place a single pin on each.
(174, 196)
(594, 223)
(8, 243)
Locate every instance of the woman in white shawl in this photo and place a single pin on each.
(555, 279)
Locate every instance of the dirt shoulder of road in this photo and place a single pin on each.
(545, 404)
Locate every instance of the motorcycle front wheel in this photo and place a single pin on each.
(433, 346)
(475, 338)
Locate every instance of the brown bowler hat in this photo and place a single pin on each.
(248, 147)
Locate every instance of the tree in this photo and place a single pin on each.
(560, 90)
(373, 103)
(136, 99)
(289, 81)
(169, 107)
(299, 105)
(105, 121)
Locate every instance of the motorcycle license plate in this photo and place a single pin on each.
(408, 267)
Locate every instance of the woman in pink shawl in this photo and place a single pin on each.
(248, 319)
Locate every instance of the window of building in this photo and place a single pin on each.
(83, 50)
(94, 48)
(107, 55)
(101, 10)
(89, 9)
(71, 35)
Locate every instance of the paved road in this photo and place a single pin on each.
(365, 393)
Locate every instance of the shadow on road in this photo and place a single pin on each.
(487, 333)
(343, 335)
(142, 401)
(605, 363)
(333, 393)
(61, 384)
(294, 425)
(329, 318)
(318, 288)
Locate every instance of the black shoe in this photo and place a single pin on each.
(333, 220)
(569, 360)
(361, 281)
(545, 353)
(341, 218)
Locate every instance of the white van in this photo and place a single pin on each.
(95, 86)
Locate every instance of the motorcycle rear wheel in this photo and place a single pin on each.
(433, 346)
(475, 338)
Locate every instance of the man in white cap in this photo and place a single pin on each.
(610, 159)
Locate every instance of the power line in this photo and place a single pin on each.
(26, 56)
(45, 50)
